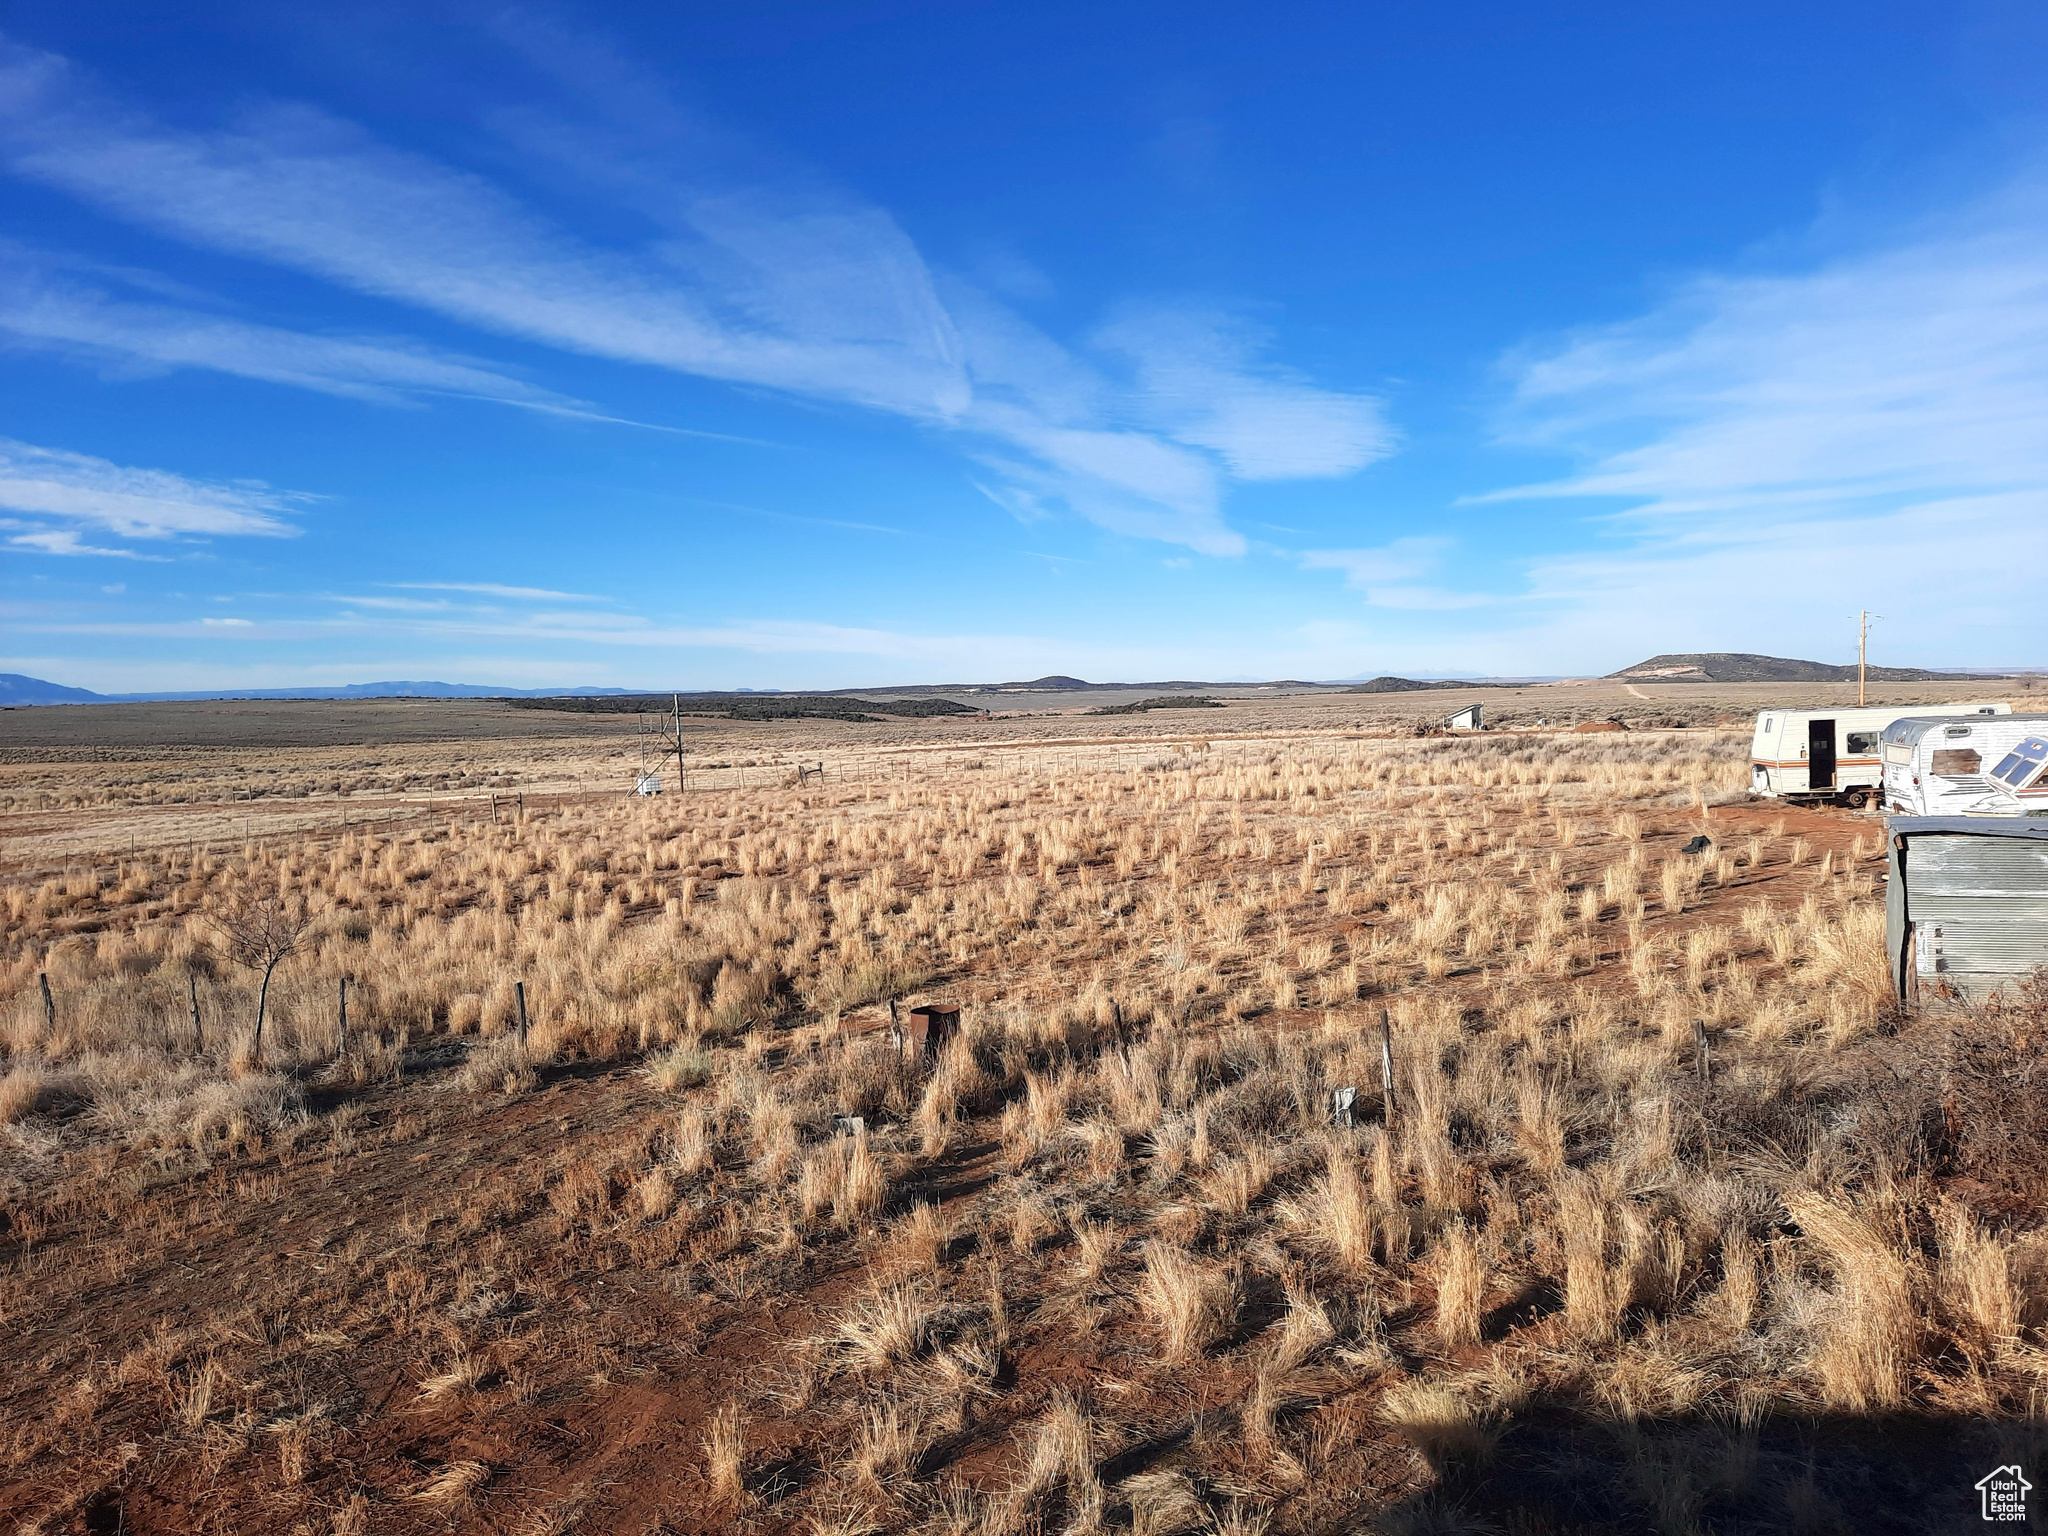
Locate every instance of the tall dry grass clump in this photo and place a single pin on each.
(1868, 1338)
(725, 1449)
(1460, 1286)
(1345, 1212)
(1192, 1304)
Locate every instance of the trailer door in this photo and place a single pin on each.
(1820, 754)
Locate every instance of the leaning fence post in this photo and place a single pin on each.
(519, 993)
(192, 987)
(49, 1003)
(1703, 1058)
(1387, 1063)
(341, 1046)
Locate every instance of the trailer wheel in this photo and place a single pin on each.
(1856, 799)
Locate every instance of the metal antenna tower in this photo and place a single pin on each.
(665, 733)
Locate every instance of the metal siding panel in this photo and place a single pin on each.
(1998, 907)
(2005, 954)
(1979, 905)
(2007, 948)
(1961, 864)
(1895, 924)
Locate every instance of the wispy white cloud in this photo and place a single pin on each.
(1921, 368)
(68, 492)
(388, 604)
(1789, 447)
(1129, 482)
(1420, 599)
(1401, 560)
(39, 304)
(809, 295)
(495, 589)
(42, 305)
(1147, 441)
(1949, 575)
(750, 275)
(1200, 381)
(64, 541)
(1387, 575)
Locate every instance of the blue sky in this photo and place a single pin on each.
(783, 346)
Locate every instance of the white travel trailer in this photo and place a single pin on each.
(1936, 766)
(1831, 754)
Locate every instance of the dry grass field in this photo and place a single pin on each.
(1668, 1222)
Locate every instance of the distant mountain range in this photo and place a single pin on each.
(1691, 667)
(16, 689)
(1741, 667)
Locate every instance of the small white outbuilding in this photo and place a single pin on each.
(1966, 904)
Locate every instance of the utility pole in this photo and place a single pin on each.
(677, 701)
(1863, 619)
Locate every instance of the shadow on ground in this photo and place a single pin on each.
(1556, 1473)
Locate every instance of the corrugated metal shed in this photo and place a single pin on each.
(1966, 911)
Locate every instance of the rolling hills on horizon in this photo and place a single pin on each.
(18, 690)
(1745, 667)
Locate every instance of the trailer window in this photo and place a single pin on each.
(2020, 763)
(1862, 743)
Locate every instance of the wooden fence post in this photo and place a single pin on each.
(1387, 1063)
(49, 1003)
(192, 989)
(1703, 1058)
(341, 1032)
(519, 992)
